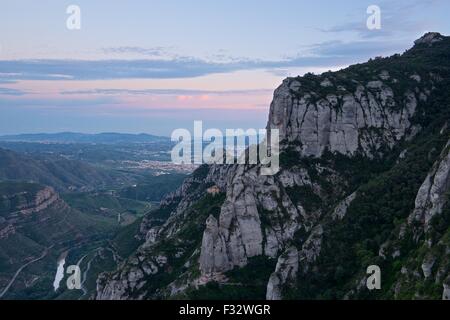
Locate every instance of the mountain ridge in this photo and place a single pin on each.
(61, 173)
(75, 137)
(364, 180)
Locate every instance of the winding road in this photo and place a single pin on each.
(20, 270)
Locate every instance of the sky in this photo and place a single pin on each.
(154, 66)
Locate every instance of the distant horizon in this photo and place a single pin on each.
(78, 132)
(85, 133)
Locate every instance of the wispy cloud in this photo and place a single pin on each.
(174, 92)
(12, 92)
(158, 52)
(57, 102)
(326, 54)
(109, 69)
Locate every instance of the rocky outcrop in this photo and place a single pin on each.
(25, 203)
(213, 257)
(120, 286)
(21, 205)
(431, 196)
(311, 248)
(427, 266)
(114, 290)
(346, 122)
(239, 233)
(285, 272)
(7, 230)
(341, 209)
(446, 292)
(429, 39)
(44, 198)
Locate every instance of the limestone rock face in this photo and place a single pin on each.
(427, 266)
(238, 234)
(114, 290)
(431, 196)
(446, 292)
(429, 38)
(285, 271)
(430, 201)
(341, 209)
(345, 122)
(311, 247)
(43, 199)
(213, 256)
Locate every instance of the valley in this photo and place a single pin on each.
(58, 208)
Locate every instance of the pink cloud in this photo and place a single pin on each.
(184, 98)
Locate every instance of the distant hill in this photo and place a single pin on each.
(73, 137)
(58, 172)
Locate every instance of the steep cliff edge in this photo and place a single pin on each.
(363, 165)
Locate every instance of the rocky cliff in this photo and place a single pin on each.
(23, 203)
(364, 180)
